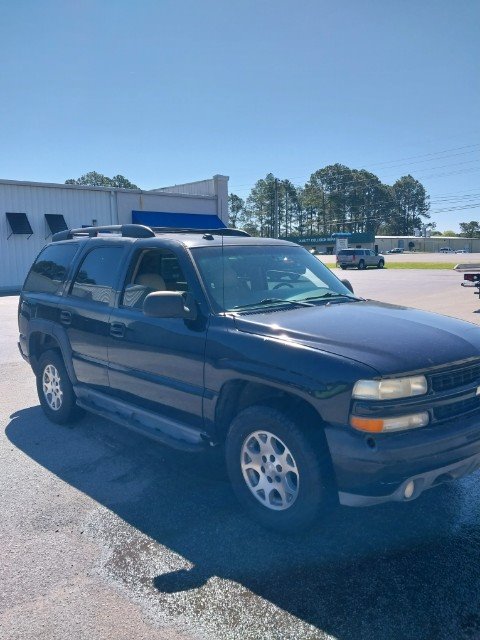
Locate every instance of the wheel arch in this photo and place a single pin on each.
(237, 395)
(38, 343)
(44, 336)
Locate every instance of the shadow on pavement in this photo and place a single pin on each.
(396, 571)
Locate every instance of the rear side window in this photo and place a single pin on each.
(50, 269)
(97, 276)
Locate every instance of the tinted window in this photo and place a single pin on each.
(152, 270)
(50, 269)
(346, 252)
(97, 275)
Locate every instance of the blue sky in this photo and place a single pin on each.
(166, 92)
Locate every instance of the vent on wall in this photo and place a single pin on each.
(19, 224)
(56, 222)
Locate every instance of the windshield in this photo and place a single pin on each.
(248, 276)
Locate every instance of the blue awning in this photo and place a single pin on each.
(177, 220)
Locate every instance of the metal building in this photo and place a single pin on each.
(31, 211)
(431, 244)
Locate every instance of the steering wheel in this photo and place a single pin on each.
(283, 284)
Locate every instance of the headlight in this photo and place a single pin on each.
(390, 389)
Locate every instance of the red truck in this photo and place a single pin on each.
(471, 276)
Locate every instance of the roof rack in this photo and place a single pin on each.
(139, 231)
(125, 230)
(222, 231)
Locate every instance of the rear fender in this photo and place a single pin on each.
(58, 333)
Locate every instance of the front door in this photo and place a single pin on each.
(158, 363)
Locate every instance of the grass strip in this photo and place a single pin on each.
(420, 265)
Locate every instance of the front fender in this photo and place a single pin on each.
(324, 380)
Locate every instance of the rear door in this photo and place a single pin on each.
(158, 363)
(371, 258)
(85, 311)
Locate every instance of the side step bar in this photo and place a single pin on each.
(167, 431)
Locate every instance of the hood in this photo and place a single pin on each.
(389, 338)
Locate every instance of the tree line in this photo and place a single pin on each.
(335, 199)
(95, 179)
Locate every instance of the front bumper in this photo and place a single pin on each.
(375, 468)
(421, 483)
(24, 355)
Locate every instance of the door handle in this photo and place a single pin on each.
(65, 317)
(117, 329)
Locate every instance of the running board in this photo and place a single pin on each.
(167, 431)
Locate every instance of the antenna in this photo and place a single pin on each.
(223, 276)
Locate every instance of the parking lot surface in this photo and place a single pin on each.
(105, 534)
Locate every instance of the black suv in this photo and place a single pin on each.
(215, 338)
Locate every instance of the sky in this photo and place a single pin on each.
(171, 91)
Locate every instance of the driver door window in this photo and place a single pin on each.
(153, 270)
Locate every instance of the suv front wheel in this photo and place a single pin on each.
(275, 471)
(55, 390)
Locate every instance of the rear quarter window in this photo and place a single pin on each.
(49, 271)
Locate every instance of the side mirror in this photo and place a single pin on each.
(348, 284)
(169, 304)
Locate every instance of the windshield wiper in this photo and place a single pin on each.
(330, 294)
(266, 301)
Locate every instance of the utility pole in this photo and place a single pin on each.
(275, 212)
(286, 213)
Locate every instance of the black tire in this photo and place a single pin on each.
(342, 267)
(381, 264)
(67, 411)
(310, 459)
(361, 265)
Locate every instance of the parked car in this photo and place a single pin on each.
(214, 339)
(359, 258)
(395, 250)
(462, 251)
(446, 250)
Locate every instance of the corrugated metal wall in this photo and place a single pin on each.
(169, 202)
(78, 206)
(198, 188)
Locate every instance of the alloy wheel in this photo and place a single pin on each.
(52, 388)
(269, 470)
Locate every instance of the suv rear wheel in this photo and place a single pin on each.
(361, 264)
(55, 390)
(275, 471)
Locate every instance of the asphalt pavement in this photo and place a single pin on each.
(105, 534)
